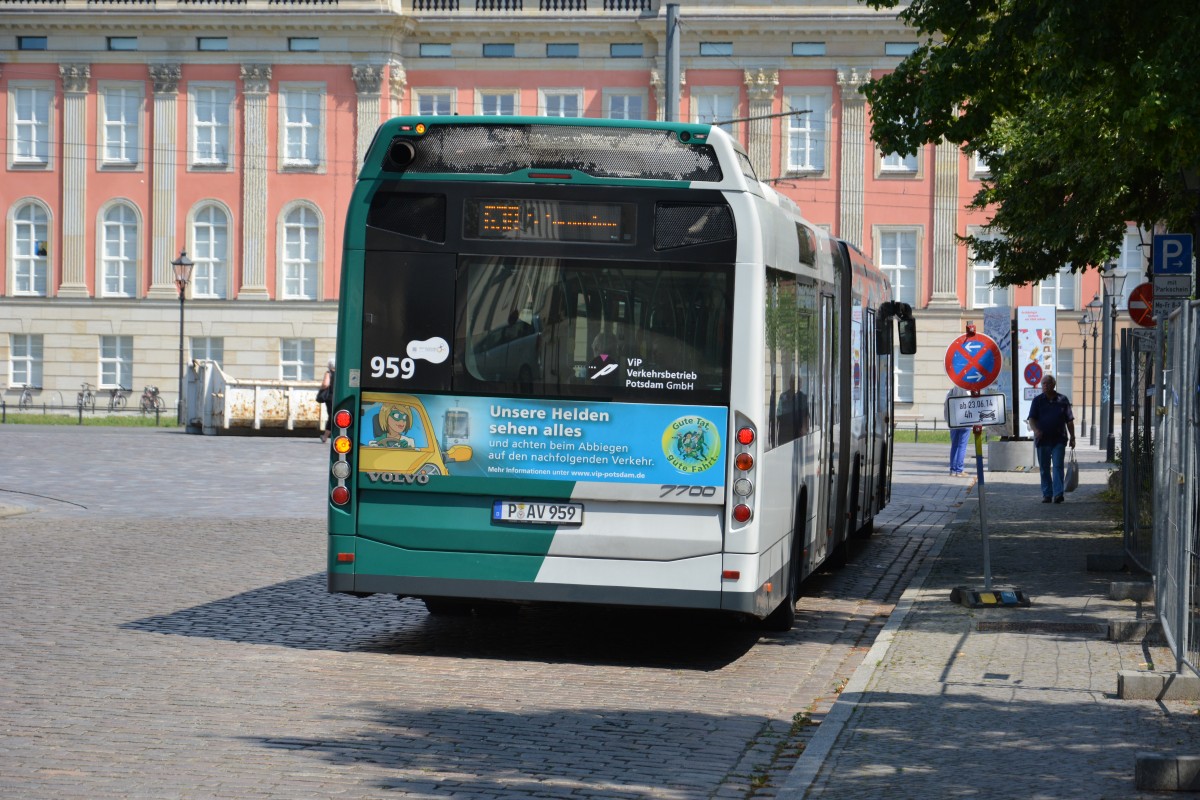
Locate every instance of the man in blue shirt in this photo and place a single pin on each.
(1053, 425)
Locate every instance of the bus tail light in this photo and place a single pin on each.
(345, 558)
(340, 469)
(742, 488)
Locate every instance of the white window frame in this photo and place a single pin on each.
(978, 166)
(887, 250)
(127, 263)
(206, 156)
(549, 98)
(302, 112)
(208, 348)
(210, 275)
(116, 362)
(810, 130)
(895, 164)
(484, 97)
(25, 359)
(623, 97)
(30, 272)
(297, 357)
(707, 104)
(436, 98)
(1063, 289)
(121, 110)
(300, 277)
(980, 273)
(1134, 261)
(29, 134)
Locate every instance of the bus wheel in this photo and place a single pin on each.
(447, 606)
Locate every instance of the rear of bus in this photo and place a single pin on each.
(538, 320)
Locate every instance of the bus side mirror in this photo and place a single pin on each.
(908, 336)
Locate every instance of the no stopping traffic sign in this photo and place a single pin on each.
(973, 361)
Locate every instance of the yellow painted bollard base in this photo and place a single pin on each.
(990, 598)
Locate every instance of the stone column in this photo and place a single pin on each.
(760, 89)
(947, 161)
(75, 164)
(368, 80)
(256, 87)
(163, 249)
(397, 87)
(854, 156)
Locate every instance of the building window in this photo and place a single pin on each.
(296, 357)
(210, 253)
(807, 134)
(904, 377)
(562, 50)
(499, 50)
(899, 48)
(983, 294)
(116, 362)
(435, 51)
(435, 104)
(301, 235)
(494, 104)
(625, 50)
(625, 105)
(31, 106)
(304, 44)
(211, 112)
(122, 43)
(1059, 290)
(212, 43)
(979, 166)
(716, 48)
(25, 359)
(30, 225)
(119, 258)
(120, 133)
(208, 348)
(300, 126)
(898, 260)
(1134, 263)
(561, 103)
(32, 43)
(808, 48)
(710, 106)
(894, 163)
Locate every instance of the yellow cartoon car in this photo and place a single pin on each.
(397, 436)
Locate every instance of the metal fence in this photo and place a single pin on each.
(1176, 517)
(1137, 444)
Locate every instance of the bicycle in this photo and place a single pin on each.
(26, 401)
(152, 401)
(116, 400)
(86, 397)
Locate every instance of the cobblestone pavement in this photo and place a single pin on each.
(167, 633)
(1003, 702)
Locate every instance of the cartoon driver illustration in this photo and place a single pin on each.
(396, 422)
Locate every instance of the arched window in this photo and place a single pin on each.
(29, 263)
(210, 252)
(118, 266)
(300, 243)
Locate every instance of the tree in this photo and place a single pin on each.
(1086, 111)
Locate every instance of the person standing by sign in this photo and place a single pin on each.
(958, 436)
(1053, 425)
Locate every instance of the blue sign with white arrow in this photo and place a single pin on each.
(1172, 254)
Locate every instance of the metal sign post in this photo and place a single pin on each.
(972, 363)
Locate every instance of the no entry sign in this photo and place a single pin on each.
(973, 361)
(1141, 305)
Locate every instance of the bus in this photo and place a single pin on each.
(599, 362)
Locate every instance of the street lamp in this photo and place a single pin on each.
(1085, 323)
(183, 273)
(1114, 282)
(1095, 308)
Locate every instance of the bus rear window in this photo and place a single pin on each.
(573, 328)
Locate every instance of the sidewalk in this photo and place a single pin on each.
(1002, 702)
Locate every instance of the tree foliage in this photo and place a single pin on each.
(1086, 111)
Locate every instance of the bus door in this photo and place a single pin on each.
(831, 414)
